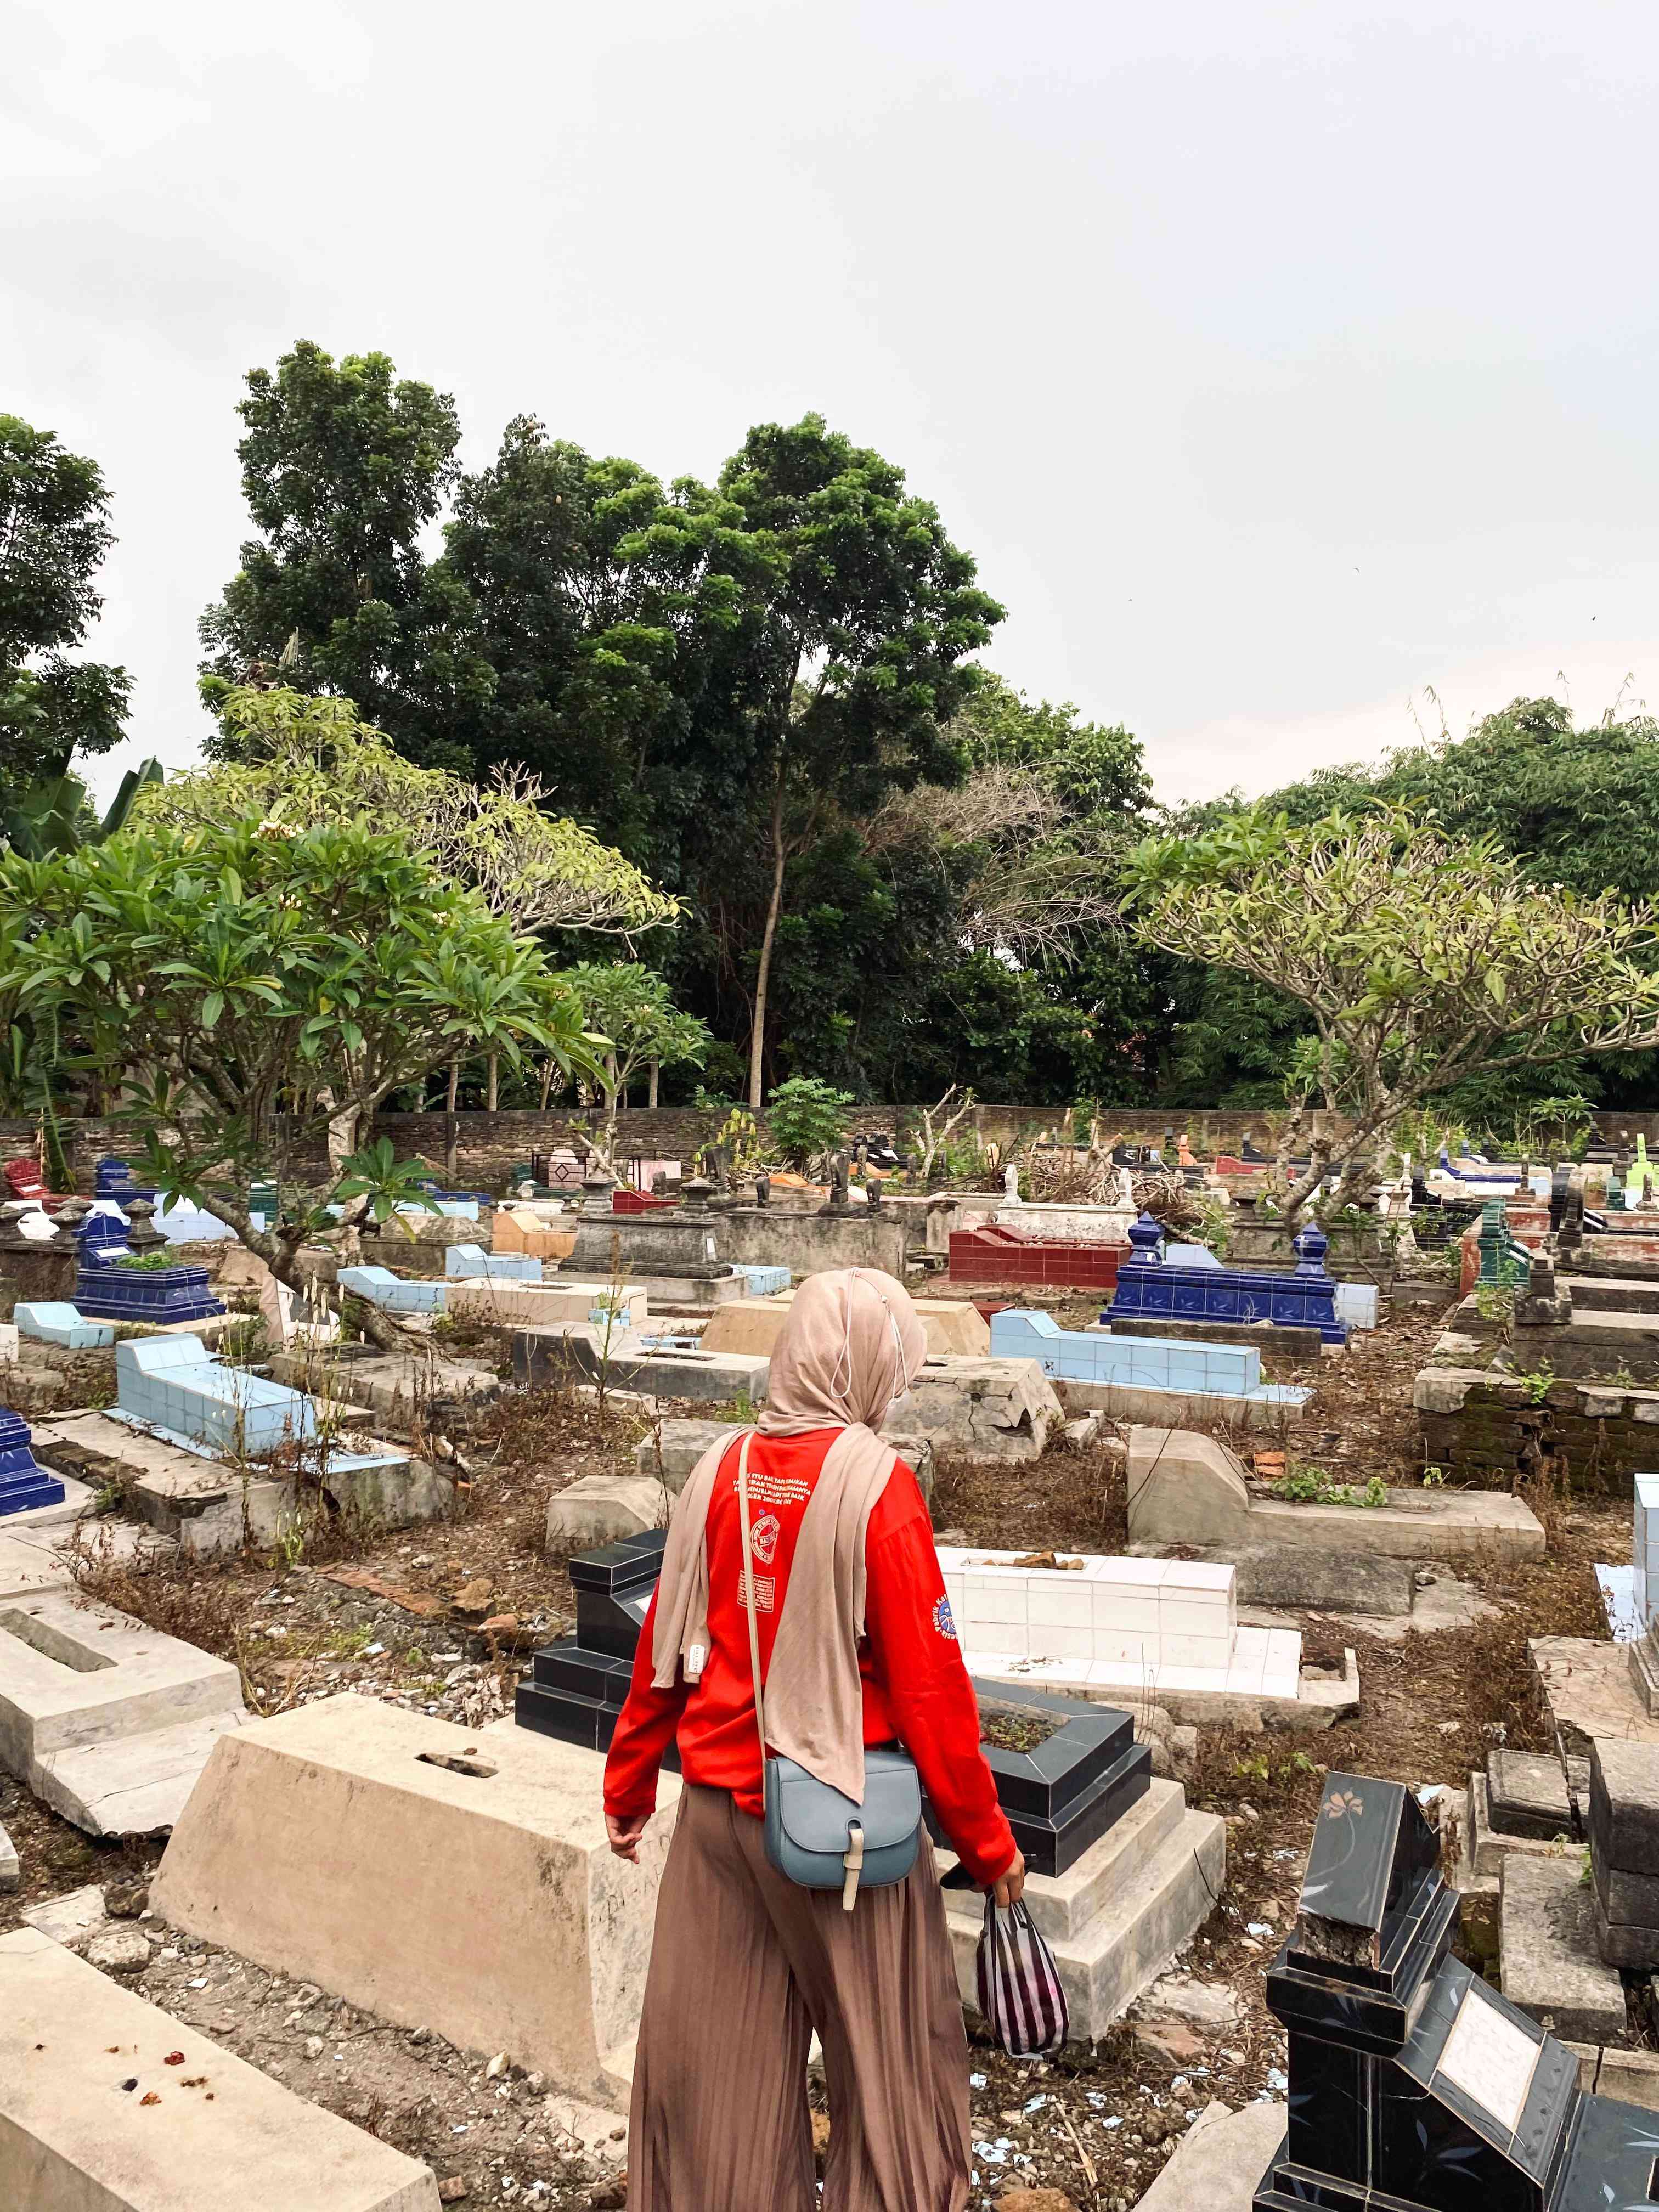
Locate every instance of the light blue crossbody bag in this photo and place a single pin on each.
(814, 1836)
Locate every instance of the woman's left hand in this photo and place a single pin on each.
(625, 1835)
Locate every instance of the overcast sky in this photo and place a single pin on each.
(1274, 362)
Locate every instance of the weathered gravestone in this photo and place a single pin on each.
(1623, 1839)
(1412, 2083)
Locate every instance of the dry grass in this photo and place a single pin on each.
(1075, 1501)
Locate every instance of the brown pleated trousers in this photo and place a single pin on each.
(745, 1965)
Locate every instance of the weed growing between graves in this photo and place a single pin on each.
(1311, 1486)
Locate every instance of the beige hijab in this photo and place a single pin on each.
(852, 1343)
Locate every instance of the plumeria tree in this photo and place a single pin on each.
(1421, 962)
(255, 990)
(633, 1024)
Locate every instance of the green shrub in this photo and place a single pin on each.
(807, 1117)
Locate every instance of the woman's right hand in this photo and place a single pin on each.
(624, 1836)
(1008, 1887)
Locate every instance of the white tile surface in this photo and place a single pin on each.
(1195, 1619)
(1113, 1611)
(1056, 1640)
(1062, 1598)
(1211, 1651)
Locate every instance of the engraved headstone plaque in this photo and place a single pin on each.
(1490, 2058)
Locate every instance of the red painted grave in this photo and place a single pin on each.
(992, 1253)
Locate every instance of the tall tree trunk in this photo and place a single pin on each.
(651, 1080)
(495, 1079)
(451, 1129)
(763, 973)
(547, 1083)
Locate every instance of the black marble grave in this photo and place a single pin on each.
(1412, 2083)
(1059, 1799)
(1065, 1795)
(578, 1686)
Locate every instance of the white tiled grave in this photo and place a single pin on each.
(1109, 1624)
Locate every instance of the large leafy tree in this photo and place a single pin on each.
(1422, 962)
(844, 618)
(345, 464)
(255, 990)
(54, 533)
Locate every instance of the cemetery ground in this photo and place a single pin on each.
(440, 1619)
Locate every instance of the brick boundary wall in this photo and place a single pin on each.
(488, 1145)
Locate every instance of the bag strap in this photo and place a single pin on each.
(747, 1580)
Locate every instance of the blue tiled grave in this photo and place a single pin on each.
(763, 1282)
(24, 1483)
(183, 1224)
(1141, 1363)
(176, 1384)
(105, 1291)
(472, 1260)
(113, 1178)
(54, 1320)
(380, 1287)
(1152, 1289)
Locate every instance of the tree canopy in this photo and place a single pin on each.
(1421, 962)
(304, 761)
(255, 988)
(54, 533)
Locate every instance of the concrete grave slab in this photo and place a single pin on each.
(74, 2139)
(479, 1897)
(1116, 1918)
(601, 1509)
(26, 1568)
(951, 1325)
(1588, 1688)
(502, 1304)
(1219, 2163)
(982, 1408)
(70, 1918)
(105, 1719)
(544, 1357)
(1549, 1960)
(1189, 1488)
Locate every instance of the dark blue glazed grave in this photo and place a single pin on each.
(24, 1483)
(1150, 1289)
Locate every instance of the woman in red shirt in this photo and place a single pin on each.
(745, 1965)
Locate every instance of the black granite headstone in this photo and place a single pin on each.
(1412, 2083)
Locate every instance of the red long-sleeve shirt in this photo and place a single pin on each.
(916, 1685)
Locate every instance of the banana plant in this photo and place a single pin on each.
(54, 814)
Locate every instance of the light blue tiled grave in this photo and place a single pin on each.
(1356, 1303)
(496, 1267)
(1190, 1256)
(54, 1320)
(378, 1287)
(176, 1384)
(763, 1282)
(1140, 1363)
(183, 1224)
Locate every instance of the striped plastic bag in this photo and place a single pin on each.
(1019, 1992)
